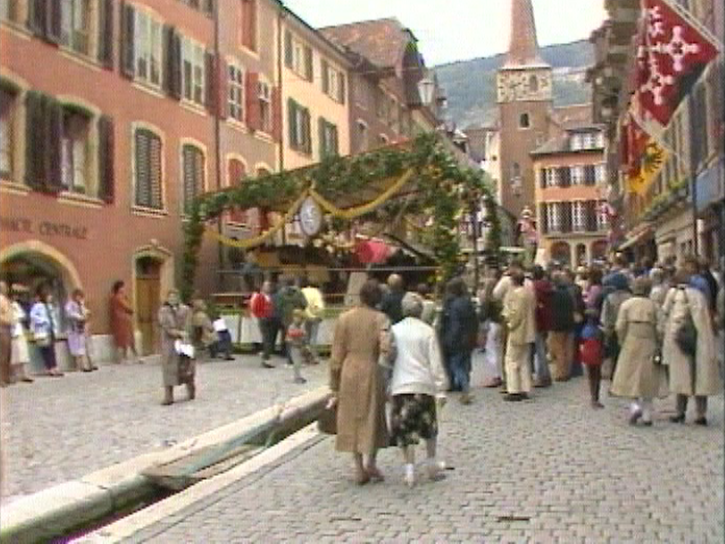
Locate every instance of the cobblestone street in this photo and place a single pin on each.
(56, 430)
(549, 470)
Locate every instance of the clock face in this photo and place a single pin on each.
(310, 217)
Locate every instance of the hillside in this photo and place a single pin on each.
(471, 85)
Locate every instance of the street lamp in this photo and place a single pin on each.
(426, 90)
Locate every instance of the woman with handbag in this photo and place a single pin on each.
(44, 326)
(639, 374)
(78, 316)
(20, 355)
(689, 348)
(357, 380)
(176, 362)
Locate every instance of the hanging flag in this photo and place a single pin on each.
(644, 157)
(671, 55)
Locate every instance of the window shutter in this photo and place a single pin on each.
(105, 34)
(566, 223)
(276, 114)
(288, 54)
(155, 181)
(211, 94)
(251, 100)
(209, 7)
(292, 118)
(222, 88)
(542, 178)
(128, 21)
(106, 188)
(341, 89)
(34, 141)
(335, 147)
(590, 175)
(53, 21)
(142, 167)
(172, 62)
(54, 134)
(591, 217)
(307, 130)
(325, 77)
(188, 173)
(309, 68)
(321, 133)
(564, 177)
(37, 16)
(544, 218)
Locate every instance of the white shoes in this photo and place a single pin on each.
(410, 476)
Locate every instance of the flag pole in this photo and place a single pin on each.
(693, 170)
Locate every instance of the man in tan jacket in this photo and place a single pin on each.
(520, 315)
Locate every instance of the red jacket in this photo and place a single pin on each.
(261, 306)
(544, 295)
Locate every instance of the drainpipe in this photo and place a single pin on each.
(280, 55)
(217, 142)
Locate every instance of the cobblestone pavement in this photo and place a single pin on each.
(57, 430)
(548, 470)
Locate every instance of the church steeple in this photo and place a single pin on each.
(523, 47)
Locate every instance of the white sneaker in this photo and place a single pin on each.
(410, 476)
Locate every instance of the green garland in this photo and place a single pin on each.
(444, 191)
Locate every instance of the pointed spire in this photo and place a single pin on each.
(523, 47)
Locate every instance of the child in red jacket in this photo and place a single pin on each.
(591, 350)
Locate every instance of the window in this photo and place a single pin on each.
(579, 216)
(9, 10)
(148, 170)
(575, 142)
(193, 72)
(533, 84)
(192, 172)
(299, 128)
(75, 25)
(74, 151)
(577, 175)
(602, 216)
(363, 135)
(333, 82)
(600, 173)
(147, 49)
(8, 104)
(265, 107)
(524, 121)
(553, 217)
(550, 177)
(516, 178)
(328, 139)
(236, 93)
(599, 140)
(248, 24)
(298, 57)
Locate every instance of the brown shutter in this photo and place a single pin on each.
(544, 218)
(128, 21)
(335, 143)
(53, 21)
(542, 178)
(566, 223)
(288, 53)
(209, 7)
(308, 131)
(54, 134)
(211, 95)
(106, 189)
(37, 17)
(142, 169)
(321, 131)
(251, 100)
(591, 216)
(325, 77)
(172, 62)
(276, 114)
(105, 34)
(309, 66)
(292, 122)
(342, 88)
(34, 141)
(590, 175)
(222, 90)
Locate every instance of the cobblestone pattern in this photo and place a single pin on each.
(56, 430)
(549, 470)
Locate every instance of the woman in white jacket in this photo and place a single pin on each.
(418, 381)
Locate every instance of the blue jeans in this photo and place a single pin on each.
(541, 363)
(460, 365)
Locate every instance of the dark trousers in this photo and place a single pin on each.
(223, 345)
(48, 355)
(594, 373)
(269, 328)
(700, 405)
(460, 365)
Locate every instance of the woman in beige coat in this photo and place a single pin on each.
(637, 374)
(357, 380)
(682, 300)
(175, 323)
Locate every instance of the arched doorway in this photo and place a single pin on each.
(34, 264)
(561, 253)
(153, 277)
(600, 248)
(581, 254)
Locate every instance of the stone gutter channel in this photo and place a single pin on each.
(85, 506)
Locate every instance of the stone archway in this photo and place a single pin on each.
(600, 248)
(153, 276)
(561, 253)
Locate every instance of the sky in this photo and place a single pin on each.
(450, 30)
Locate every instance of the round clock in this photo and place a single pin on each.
(310, 217)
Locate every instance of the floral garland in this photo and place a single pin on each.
(443, 190)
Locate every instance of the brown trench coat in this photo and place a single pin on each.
(637, 375)
(361, 336)
(174, 324)
(121, 321)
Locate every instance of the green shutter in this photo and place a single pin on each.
(291, 115)
(335, 145)
(288, 54)
(309, 66)
(308, 131)
(105, 33)
(342, 88)
(128, 22)
(325, 77)
(321, 132)
(34, 141)
(106, 189)
(54, 135)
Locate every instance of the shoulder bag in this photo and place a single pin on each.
(686, 333)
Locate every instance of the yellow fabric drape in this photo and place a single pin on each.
(250, 243)
(352, 213)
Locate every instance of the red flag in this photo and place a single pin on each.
(634, 141)
(670, 57)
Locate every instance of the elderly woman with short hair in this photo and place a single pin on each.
(418, 380)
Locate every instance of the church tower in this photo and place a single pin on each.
(525, 99)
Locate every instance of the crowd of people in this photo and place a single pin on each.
(651, 329)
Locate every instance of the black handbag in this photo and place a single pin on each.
(686, 333)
